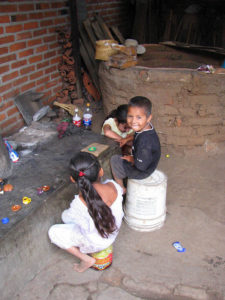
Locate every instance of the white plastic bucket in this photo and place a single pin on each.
(145, 206)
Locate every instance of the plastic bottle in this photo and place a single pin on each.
(87, 117)
(76, 119)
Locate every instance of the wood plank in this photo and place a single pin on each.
(97, 30)
(89, 65)
(118, 34)
(198, 48)
(88, 45)
(90, 32)
(104, 27)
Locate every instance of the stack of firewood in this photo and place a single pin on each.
(66, 68)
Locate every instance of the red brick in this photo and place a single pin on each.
(52, 30)
(2, 116)
(34, 42)
(18, 64)
(38, 15)
(40, 32)
(27, 70)
(50, 38)
(3, 50)
(12, 111)
(43, 6)
(8, 58)
(14, 128)
(55, 75)
(27, 87)
(54, 46)
(49, 14)
(36, 75)
(17, 46)
(14, 28)
(26, 7)
(1, 30)
(19, 18)
(10, 76)
(57, 4)
(27, 52)
(35, 59)
(5, 87)
(4, 19)
(11, 94)
(31, 25)
(43, 64)
(20, 81)
(49, 54)
(8, 8)
(46, 23)
(7, 39)
(58, 21)
(40, 89)
(50, 70)
(50, 84)
(7, 105)
(9, 122)
(55, 60)
(4, 69)
(41, 49)
(24, 36)
(43, 80)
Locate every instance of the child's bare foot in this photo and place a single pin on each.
(84, 265)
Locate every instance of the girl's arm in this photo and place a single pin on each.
(127, 139)
(111, 134)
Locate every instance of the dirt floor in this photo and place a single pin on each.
(146, 266)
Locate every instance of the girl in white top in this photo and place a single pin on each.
(95, 215)
(115, 127)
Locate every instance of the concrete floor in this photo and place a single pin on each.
(146, 265)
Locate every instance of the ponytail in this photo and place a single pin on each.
(84, 170)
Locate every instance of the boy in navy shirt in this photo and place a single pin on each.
(146, 150)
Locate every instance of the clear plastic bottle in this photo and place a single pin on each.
(76, 119)
(87, 117)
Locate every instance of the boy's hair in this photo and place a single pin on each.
(120, 113)
(84, 169)
(142, 102)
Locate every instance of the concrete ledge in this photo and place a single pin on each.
(24, 244)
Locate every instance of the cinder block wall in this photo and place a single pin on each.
(29, 54)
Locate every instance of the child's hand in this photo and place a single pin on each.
(122, 142)
(128, 158)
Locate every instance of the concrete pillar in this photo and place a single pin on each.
(5, 162)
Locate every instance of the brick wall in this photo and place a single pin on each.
(29, 53)
(29, 50)
(114, 12)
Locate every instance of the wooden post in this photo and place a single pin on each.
(76, 45)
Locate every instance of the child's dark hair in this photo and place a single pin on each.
(84, 169)
(120, 113)
(143, 102)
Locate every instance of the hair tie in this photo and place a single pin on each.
(81, 174)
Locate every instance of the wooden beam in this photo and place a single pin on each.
(90, 32)
(89, 65)
(118, 34)
(104, 27)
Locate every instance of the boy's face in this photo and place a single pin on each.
(137, 119)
